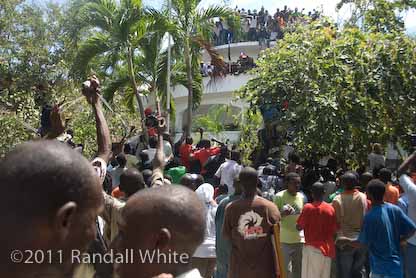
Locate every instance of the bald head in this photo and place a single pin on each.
(39, 177)
(131, 181)
(174, 207)
(349, 180)
(53, 198)
(169, 219)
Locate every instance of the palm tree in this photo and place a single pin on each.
(151, 58)
(113, 27)
(194, 29)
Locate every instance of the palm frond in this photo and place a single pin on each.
(212, 12)
(98, 13)
(114, 85)
(216, 60)
(93, 46)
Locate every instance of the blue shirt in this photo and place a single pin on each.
(403, 203)
(382, 229)
(222, 246)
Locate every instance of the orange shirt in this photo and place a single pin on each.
(392, 194)
(117, 193)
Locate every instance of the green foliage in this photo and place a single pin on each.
(248, 138)
(378, 15)
(213, 121)
(345, 89)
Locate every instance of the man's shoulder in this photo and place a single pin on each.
(280, 194)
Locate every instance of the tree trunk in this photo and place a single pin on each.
(190, 91)
(136, 92)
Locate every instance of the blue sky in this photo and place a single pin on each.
(327, 6)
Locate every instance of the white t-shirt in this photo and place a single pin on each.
(410, 189)
(151, 152)
(253, 23)
(227, 172)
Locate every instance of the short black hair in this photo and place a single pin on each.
(249, 179)
(42, 176)
(376, 190)
(189, 140)
(121, 160)
(147, 175)
(144, 156)
(235, 155)
(385, 175)
(153, 142)
(318, 190)
(131, 181)
(290, 176)
(349, 180)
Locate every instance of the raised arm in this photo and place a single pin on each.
(91, 91)
(405, 165)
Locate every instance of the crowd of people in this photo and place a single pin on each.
(201, 202)
(243, 65)
(260, 25)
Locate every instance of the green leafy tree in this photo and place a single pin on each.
(114, 29)
(344, 88)
(378, 15)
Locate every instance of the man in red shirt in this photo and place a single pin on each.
(185, 151)
(319, 222)
(203, 154)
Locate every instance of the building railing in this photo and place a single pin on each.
(259, 26)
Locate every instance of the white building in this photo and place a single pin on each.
(219, 91)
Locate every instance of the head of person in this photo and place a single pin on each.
(292, 182)
(127, 149)
(131, 181)
(269, 160)
(365, 178)
(235, 155)
(205, 143)
(175, 223)
(153, 142)
(147, 176)
(56, 192)
(121, 160)
(318, 191)
(327, 175)
(269, 171)
(385, 175)
(377, 148)
(349, 180)
(222, 189)
(224, 151)
(189, 140)
(199, 179)
(376, 190)
(249, 181)
(144, 156)
(189, 181)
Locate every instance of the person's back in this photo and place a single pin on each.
(319, 224)
(350, 207)
(384, 227)
(248, 224)
(229, 170)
